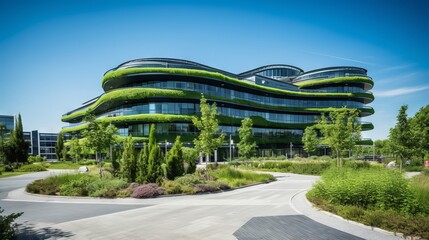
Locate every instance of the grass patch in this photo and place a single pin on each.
(32, 168)
(377, 197)
(237, 178)
(12, 174)
(309, 167)
(63, 165)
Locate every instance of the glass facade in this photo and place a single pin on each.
(234, 94)
(8, 123)
(295, 109)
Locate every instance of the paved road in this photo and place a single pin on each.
(276, 210)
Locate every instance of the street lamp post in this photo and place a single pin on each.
(231, 142)
(291, 145)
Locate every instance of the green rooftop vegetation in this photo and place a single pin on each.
(214, 75)
(351, 79)
(131, 94)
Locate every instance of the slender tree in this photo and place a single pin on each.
(59, 147)
(310, 140)
(401, 136)
(155, 158)
(207, 124)
(175, 166)
(100, 136)
(18, 142)
(75, 150)
(129, 160)
(142, 164)
(340, 131)
(419, 126)
(246, 146)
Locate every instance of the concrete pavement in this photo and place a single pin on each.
(225, 215)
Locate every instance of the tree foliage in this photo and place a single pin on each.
(310, 140)
(400, 135)
(419, 126)
(75, 150)
(100, 136)
(175, 165)
(341, 131)
(59, 147)
(7, 225)
(209, 138)
(129, 160)
(155, 158)
(246, 146)
(18, 147)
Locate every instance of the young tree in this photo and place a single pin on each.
(155, 158)
(59, 148)
(142, 164)
(246, 147)
(310, 140)
(190, 156)
(175, 166)
(341, 131)
(100, 136)
(401, 136)
(18, 143)
(129, 161)
(75, 148)
(419, 125)
(207, 124)
(2, 143)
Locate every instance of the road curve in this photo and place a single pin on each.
(278, 210)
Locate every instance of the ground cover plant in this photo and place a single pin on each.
(377, 197)
(214, 179)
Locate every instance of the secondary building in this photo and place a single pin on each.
(42, 144)
(281, 99)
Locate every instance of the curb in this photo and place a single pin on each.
(375, 229)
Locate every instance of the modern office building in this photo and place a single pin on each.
(281, 99)
(7, 124)
(42, 144)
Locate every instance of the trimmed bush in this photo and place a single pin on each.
(201, 188)
(147, 191)
(32, 168)
(106, 188)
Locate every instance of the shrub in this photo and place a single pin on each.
(77, 186)
(367, 188)
(201, 188)
(43, 186)
(188, 179)
(87, 162)
(37, 158)
(172, 187)
(147, 191)
(106, 187)
(7, 225)
(32, 168)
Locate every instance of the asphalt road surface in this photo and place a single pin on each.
(277, 210)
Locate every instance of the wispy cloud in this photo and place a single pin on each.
(395, 68)
(342, 58)
(400, 91)
(400, 78)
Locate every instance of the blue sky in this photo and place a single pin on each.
(53, 54)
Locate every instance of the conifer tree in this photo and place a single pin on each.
(175, 167)
(129, 161)
(154, 171)
(18, 143)
(59, 147)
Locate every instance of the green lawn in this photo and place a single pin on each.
(12, 174)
